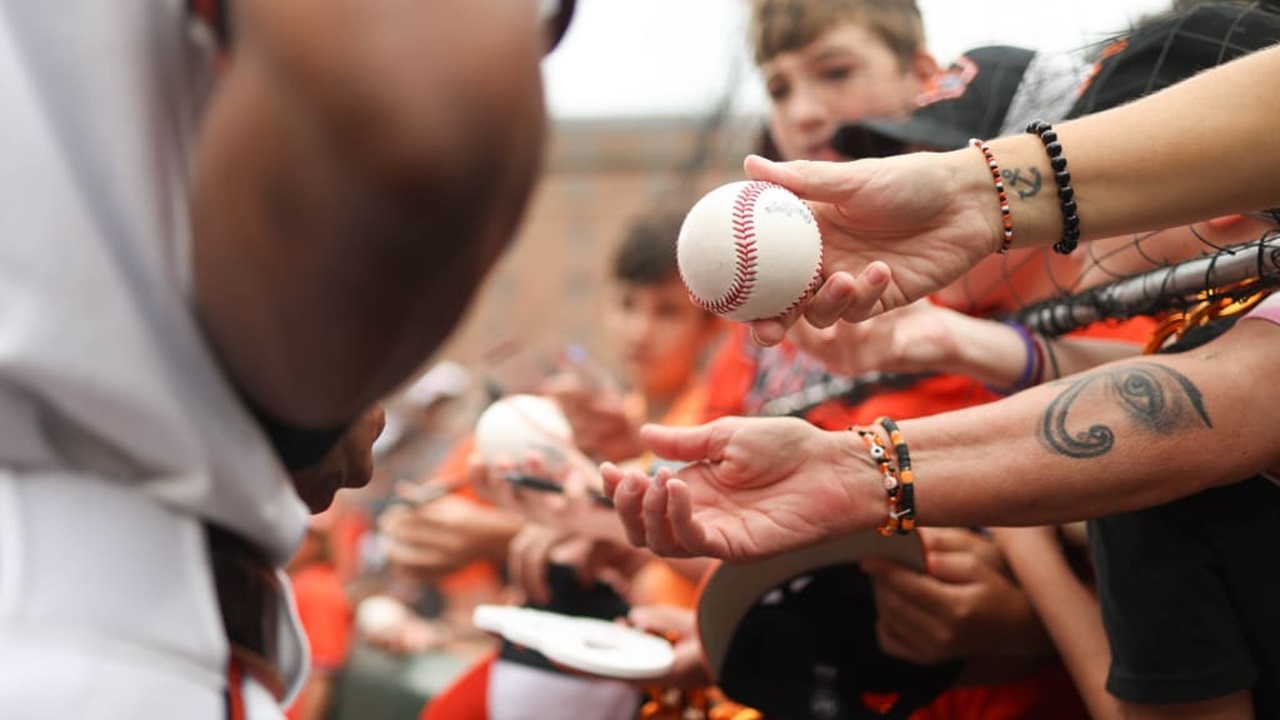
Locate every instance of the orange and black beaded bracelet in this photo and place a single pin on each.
(902, 516)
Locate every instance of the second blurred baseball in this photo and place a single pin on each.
(516, 425)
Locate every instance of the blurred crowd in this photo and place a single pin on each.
(443, 528)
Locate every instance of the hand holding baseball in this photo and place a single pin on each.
(893, 230)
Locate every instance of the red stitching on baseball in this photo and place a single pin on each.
(814, 282)
(744, 246)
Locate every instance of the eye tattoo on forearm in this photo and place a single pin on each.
(1156, 398)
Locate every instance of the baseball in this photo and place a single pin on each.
(379, 614)
(516, 425)
(749, 251)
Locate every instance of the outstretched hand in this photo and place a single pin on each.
(754, 487)
(893, 231)
(915, 338)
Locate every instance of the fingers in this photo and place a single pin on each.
(690, 537)
(689, 670)
(527, 562)
(841, 296)
(657, 513)
(658, 533)
(844, 296)
(767, 333)
(910, 623)
(828, 304)
(663, 619)
(943, 541)
(868, 298)
(628, 501)
(900, 585)
(772, 331)
(908, 642)
(641, 504)
(429, 540)
(610, 477)
(959, 568)
(669, 527)
(831, 300)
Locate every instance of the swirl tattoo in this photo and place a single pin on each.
(1156, 398)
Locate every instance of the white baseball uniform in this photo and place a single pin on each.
(119, 436)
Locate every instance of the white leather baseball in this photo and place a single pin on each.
(749, 251)
(516, 425)
(379, 614)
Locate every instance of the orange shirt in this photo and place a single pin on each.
(326, 613)
(1046, 694)
(745, 379)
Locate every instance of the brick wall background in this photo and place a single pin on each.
(549, 289)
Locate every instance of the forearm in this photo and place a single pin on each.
(1071, 615)
(1068, 356)
(1143, 165)
(985, 350)
(995, 353)
(1131, 434)
(359, 169)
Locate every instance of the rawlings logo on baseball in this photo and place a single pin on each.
(749, 251)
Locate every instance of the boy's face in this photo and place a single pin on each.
(846, 75)
(659, 335)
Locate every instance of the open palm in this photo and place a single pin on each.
(752, 488)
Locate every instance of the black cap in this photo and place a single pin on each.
(794, 636)
(970, 99)
(1172, 48)
(557, 16)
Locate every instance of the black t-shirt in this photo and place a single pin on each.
(1190, 591)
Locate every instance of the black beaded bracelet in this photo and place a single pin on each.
(1066, 194)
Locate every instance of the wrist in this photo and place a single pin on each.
(1008, 357)
(863, 504)
(971, 180)
(968, 350)
(1033, 194)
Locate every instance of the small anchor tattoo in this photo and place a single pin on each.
(1015, 179)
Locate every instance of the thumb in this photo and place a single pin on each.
(689, 444)
(831, 182)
